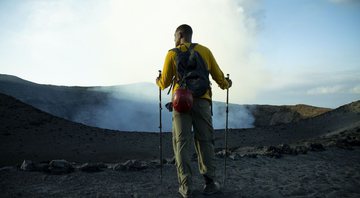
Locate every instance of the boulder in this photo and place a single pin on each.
(119, 167)
(234, 156)
(348, 142)
(131, 165)
(135, 165)
(28, 165)
(92, 167)
(273, 151)
(301, 149)
(316, 147)
(221, 153)
(286, 149)
(156, 163)
(59, 167)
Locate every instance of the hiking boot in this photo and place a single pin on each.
(185, 193)
(211, 188)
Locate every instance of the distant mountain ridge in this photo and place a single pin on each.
(273, 115)
(117, 107)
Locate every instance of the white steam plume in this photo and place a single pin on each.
(114, 42)
(139, 33)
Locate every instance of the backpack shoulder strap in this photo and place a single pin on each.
(192, 46)
(176, 50)
(173, 80)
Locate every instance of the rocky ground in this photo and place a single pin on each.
(331, 173)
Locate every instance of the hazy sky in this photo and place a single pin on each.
(276, 51)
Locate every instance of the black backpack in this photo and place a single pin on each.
(192, 71)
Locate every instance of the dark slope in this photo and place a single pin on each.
(29, 133)
(344, 118)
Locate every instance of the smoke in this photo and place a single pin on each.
(111, 42)
(238, 117)
(133, 107)
(145, 29)
(129, 108)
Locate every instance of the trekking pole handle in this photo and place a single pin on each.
(227, 94)
(160, 96)
(228, 79)
(160, 107)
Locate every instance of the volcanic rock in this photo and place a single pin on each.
(28, 165)
(131, 165)
(316, 147)
(273, 151)
(286, 149)
(92, 167)
(234, 156)
(59, 167)
(301, 150)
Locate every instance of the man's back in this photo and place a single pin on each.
(169, 70)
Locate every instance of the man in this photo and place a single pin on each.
(199, 117)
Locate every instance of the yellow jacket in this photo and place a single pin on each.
(169, 69)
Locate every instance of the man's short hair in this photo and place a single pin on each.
(185, 29)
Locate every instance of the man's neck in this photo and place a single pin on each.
(183, 41)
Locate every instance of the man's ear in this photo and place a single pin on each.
(181, 35)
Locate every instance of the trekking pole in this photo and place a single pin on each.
(160, 132)
(226, 130)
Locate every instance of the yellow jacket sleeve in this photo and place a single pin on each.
(168, 71)
(216, 73)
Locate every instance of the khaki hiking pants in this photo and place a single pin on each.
(200, 119)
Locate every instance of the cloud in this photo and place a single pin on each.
(355, 90)
(51, 15)
(327, 83)
(120, 42)
(326, 90)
